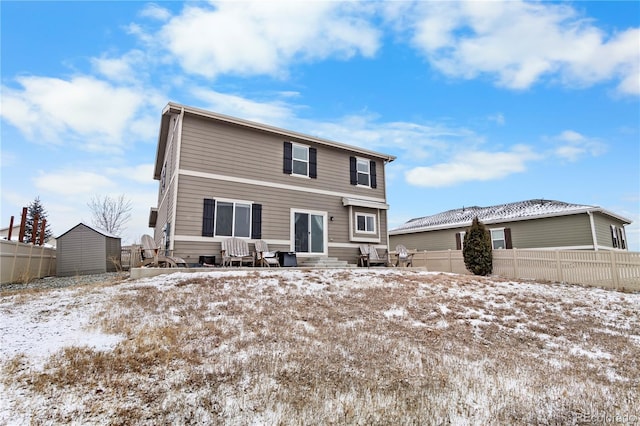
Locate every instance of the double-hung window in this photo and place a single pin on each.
(497, 239)
(366, 223)
(300, 158)
(364, 173)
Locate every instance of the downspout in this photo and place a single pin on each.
(177, 177)
(593, 231)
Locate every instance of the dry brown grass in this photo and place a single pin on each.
(346, 347)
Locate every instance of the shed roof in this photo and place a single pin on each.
(510, 212)
(174, 108)
(99, 231)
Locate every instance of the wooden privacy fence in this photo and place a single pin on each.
(610, 269)
(130, 257)
(20, 262)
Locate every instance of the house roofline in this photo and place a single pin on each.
(513, 219)
(175, 108)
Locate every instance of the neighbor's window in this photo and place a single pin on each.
(233, 219)
(364, 172)
(365, 223)
(300, 157)
(497, 239)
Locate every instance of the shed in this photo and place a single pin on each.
(83, 250)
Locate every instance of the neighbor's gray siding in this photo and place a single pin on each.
(81, 251)
(603, 229)
(553, 232)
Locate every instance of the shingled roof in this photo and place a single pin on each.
(522, 210)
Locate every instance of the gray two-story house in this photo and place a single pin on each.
(221, 177)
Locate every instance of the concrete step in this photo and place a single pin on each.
(323, 262)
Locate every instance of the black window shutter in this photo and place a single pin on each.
(507, 238)
(256, 221)
(372, 171)
(458, 241)
(623, 244)
(353, 169)
(208, 216)
(313, 163)
(287, 161)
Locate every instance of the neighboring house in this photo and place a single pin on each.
(222, 176)
(15, 233)
(83, 250)
(527, 224)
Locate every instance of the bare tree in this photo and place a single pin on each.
(110, 214)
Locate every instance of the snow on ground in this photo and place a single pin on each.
(39, 324)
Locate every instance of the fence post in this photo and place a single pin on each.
(450, 264)
(614, 269)
(515, 264)
(559, 266)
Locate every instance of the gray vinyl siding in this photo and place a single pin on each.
(603, 229)
(276, 207)
(225, 149)
(166, 197)
(83, 251)
(553, 232)
(432, 240)
(276, 215)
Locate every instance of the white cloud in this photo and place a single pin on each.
(92, 113)
(571, 146)
(472, 166)
(142, 173)
(156, 12)
(252, 38)
(73, 182)
(273, 112)
(520, 43)
(122, 69)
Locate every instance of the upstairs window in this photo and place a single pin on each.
(363, 172)
(300, 160)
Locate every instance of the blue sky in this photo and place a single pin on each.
(482, 103)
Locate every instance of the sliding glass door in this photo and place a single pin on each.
(309, 232)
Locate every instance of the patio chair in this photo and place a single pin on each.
(236, 250)
(151, 256)
(403, 256)
(369, 256)
(264, 256)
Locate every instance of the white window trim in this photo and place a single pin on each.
(366, 215)
(504, 238)
(294, 159)
(462, 234)
(356, 236)
(233, 222)
(358, 172)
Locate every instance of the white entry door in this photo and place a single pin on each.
(309, 232)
